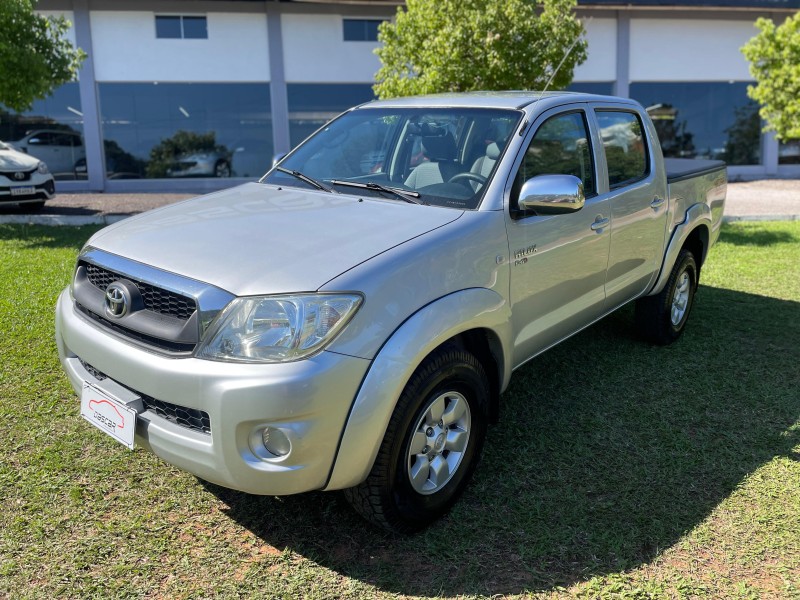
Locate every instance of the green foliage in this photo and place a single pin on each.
(35, 56)
(465, 45)
(168, 150)
(774, 55)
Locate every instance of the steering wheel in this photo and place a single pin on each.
(468, 176)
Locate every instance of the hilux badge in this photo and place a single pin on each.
(116, 300)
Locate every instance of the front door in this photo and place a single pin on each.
(558, 262)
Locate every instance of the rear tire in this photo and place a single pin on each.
(431, 446)
(661, 319)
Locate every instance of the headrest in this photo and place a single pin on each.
(440, 148)
(492, 151)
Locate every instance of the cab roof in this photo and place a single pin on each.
(505, 99)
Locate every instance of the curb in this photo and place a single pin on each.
(67, 220)
(78, 220)
(735, 218)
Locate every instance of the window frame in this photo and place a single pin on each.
(584, 111)
(180, 18)
(645, 143)
(363, 20)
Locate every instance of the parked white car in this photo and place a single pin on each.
(24, 179)
(61, 150)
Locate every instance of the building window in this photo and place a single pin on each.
(182, 130)
(703, 119)
(51, 131)
(789, 152)
(311, 105)
(361, 30)
(177, 27)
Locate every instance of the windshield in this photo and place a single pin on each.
(443, 157)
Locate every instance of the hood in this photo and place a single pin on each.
(258, 239)
(13, 160)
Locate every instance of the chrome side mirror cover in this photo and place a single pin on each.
(552, 195)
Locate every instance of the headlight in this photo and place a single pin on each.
(277, 328)
(43, 168)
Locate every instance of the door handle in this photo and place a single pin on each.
(599, 223)
(656, 202)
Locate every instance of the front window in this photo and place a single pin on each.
(443, 157)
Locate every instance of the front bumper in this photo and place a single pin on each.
(42, 187)
(307, 400)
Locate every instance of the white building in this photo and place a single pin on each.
(178, 93)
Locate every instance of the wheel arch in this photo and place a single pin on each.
(692, 234)
(476, 319)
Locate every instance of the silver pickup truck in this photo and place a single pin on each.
(350, 321)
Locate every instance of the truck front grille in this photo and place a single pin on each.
(155, 299)
(190, 418)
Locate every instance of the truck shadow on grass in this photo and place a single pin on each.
(607, 452)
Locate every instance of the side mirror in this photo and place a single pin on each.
(552, 194)
(276, 158)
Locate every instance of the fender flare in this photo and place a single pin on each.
(697, 215)
(397, 360)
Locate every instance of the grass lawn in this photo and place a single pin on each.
(617, 469)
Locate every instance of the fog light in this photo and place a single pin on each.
(276, 442)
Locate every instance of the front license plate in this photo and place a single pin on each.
(108, 414)
(22, 191)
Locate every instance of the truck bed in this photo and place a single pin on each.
(679, 169)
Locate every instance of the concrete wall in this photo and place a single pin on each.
(303, 51)
(687, 50)
(126, 49)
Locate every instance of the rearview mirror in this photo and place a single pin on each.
(552, 194)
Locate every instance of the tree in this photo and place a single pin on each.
(35, 56)
(464, 45)
(774, 55)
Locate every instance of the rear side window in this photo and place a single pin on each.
(623, 140)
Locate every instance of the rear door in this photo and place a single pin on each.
(638, 202)
(558, 262)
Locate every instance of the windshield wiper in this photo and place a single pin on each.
(307, 179)
(407, 195)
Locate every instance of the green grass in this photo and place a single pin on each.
(617, 469)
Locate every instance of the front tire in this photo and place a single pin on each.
(662, 318)
(431, 447)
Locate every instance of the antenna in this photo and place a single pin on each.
(555, 72)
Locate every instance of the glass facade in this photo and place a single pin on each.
(52, 131)
(789, 152)
(604, 88)
(179, 130)
(703, 120)
(311, 105)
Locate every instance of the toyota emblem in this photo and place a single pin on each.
(19, 175)
(117, 300)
